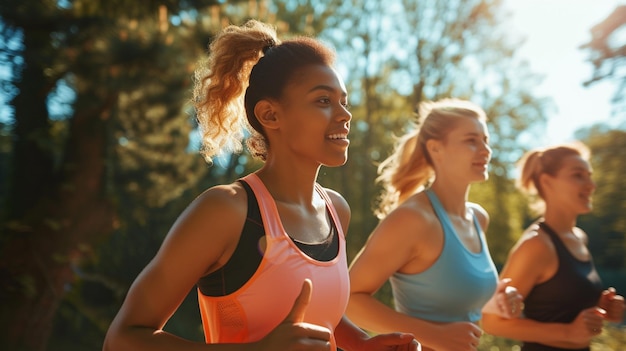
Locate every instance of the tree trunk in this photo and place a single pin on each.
(43, 246)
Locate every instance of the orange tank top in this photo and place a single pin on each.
(254, 310)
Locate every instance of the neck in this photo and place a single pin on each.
(559, 221)
(289, 185)
(452, 198)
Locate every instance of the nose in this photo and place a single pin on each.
(592, 184)
(344, 114)
(487, 148)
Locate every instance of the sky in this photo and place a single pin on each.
(554, 30)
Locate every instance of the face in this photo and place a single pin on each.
(465, 152)
(571, 187)
(314, 120)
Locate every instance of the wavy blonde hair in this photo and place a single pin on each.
(409, 168)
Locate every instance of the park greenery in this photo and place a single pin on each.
(98, 144)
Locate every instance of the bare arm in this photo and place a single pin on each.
(197, 242)
(400, 241)
(532, 261)
(201, 240)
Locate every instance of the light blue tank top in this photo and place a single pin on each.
(456, 287)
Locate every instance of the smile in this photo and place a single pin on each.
(338, 136)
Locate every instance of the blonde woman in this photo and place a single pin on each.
(550, 265)
(431, 242)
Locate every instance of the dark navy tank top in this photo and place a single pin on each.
(574, 287)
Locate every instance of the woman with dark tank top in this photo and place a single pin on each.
(565, 304)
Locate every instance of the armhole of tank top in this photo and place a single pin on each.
(248, 237)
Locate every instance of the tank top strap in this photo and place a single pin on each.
(558, 244)
(267, 206)
(439, 210)
(269, 210)
(331, 208)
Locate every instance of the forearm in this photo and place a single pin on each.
(349, 336)
(372, 315)
(141, 338)
(552, 334)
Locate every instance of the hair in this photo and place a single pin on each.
(246, 64)
(540, 161)
(410, 168)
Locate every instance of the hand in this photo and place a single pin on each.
(613, 304)
(458, 336)
(295, 335)
(506, 302)
(392, 342)
(587, 324)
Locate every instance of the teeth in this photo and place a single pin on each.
(337, 136)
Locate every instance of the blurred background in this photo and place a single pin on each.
(98, 143)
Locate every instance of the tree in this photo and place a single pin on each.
(607, 54)
(404, 52)
(60, 201)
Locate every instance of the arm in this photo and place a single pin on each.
(348, 335)
(189, 251)
(532, 261)
(506, 300)
(402, 240)
(201, 240)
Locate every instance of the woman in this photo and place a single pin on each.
(430, 243)
(267, 252)
(550, 264)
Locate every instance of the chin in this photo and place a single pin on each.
(336, 163)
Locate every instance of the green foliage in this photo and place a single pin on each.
(129, 66)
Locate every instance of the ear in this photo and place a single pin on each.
(433, 147)
(545, 181)
(265, 113)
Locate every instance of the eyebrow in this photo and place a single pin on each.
(327, 88)
(476, 134)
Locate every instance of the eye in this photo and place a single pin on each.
(324, 100)
(346, 105)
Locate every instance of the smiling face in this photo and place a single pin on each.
(464, 152)
(571, 187)
(313, 118)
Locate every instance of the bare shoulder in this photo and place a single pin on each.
(481, 214)
(211, 223)
(534, 244)
(341, 206)
(531, 261)
(582, 235)
(414, 218)
(221, 201)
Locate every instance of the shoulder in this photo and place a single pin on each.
(341, 206)
(226, 198)
(582, 235)
(215, 214)
(414, 216)
(481, 214)
(534, 245)
(206, 232)
(531, 261)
